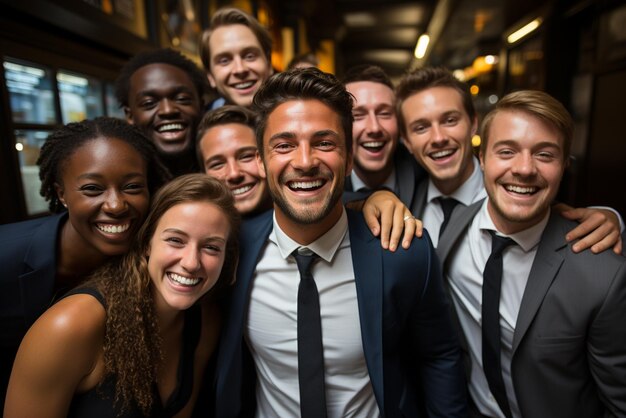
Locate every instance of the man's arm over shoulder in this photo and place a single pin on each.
(607, 345)
(436, 343)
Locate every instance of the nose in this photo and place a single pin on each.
(114, 204)
(524, 165)
(166, 107)
(233, 172)
(438, 135)
(303, 157)
(239, 66)
(190, 260)
(372, 126)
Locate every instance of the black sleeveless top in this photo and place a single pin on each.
(99, 401)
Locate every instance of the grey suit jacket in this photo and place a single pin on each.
(569, 346)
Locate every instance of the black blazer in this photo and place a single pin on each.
(28, 262)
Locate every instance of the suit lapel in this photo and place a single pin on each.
(420, 199)
(37, 284)
(368, 274)
(544, 269)
(459, 221)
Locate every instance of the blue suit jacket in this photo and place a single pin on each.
(28, 263)
(410, 345)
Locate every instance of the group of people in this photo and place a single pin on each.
(250, 289)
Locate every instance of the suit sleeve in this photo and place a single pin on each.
(606, 346)
(435, 339)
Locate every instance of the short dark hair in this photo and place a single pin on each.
(367, 72)
(308, 58)
(159, 56)
(538, 104)
(232, 16)
(428, 77)
(302, 84)
(62, 143)
(222, 116)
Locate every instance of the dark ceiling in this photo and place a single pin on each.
(385, 32)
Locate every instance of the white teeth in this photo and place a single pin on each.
(244, 85)
(170, 127)
(113, 229)
(241, 190)
(305, 184)
(186, 281)
(520, 189)
(441, 154)
(373, 144)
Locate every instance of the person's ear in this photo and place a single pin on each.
(60, 193)
(129, 115)
(211, 79)
(261, 166)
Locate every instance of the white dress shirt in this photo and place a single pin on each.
(271, 327)
(470, 192)
(465, 278)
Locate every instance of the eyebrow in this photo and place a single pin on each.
(154, 92)
(98, 176)
(513, 142)
(181, 232)
(317, 134)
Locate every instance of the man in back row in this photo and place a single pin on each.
(236, 53)
(380, 161)
(542, 325)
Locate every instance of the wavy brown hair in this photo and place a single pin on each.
(132, 342)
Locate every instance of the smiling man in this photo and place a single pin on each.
(236, 54)
(227, 150)
(379, 161)
(316, 343)
(161, 92)
(544, 334)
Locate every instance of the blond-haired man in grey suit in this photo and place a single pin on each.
(559, 314)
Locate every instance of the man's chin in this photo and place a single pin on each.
(171, 150)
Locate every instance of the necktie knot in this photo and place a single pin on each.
(447, 206)
(499, 243)
(304, 260)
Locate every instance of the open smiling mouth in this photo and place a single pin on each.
(305, 186)
(244, 85)
(183, 280)
(524, 190)
(374, 146)
(171, 130)
(242, 189)
(442, 154)
(113, 229)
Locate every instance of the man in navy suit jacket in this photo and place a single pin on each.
(389, 346)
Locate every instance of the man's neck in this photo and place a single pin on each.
(449, 186)
(179, 164)
(304, 234)
(373, 179)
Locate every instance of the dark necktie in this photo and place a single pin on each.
(447, 205)
(310, 348)
(492, 282)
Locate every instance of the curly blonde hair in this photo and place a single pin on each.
(132, 342)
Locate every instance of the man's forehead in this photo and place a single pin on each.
(160, 72)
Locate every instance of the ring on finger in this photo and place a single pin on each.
(407, 217)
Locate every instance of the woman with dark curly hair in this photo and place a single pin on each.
(97, 176)
(135, 339)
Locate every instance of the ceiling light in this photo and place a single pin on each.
(422, 45)
(523, 31)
